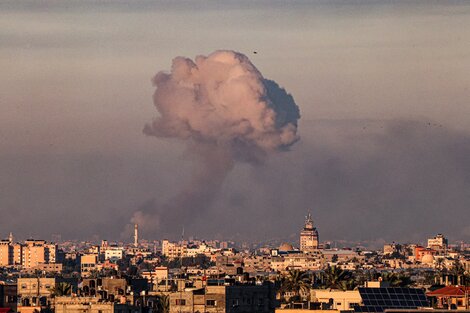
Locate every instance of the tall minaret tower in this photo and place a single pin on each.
(136, 235)
(308, 236)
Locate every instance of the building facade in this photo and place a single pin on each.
(224, 299)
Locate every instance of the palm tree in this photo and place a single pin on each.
(297, 282)
(457, 268)
(336, 278)
(61, 289)
(458, 272)
(440, 264)
(397, 280)
(441, 269)
(163, 303)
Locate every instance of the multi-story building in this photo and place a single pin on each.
(50, 252)
(156, 276)
(224, 298)
(257, 263)
(173, 250)
(425, 255)
(10, 254)
(17, 253)
(29, 255)
(88, 263)
(8, 297)
(438, 243)
(308, 236)
(35, 292)
(34, 253)
(6, 253)
(114, 253)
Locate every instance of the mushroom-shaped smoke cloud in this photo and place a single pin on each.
(227, 112)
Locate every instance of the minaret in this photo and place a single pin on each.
(308, 236)
(136, 235)
(10, 238)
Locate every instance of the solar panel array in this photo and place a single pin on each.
(379, 299)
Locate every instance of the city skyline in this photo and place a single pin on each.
(382, 89)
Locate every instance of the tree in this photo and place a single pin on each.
(336, 278)
(163, 305)
(397, 280)
(440, 264)
(297, 282)
(457, 269)
(458, 272)
(61, 289)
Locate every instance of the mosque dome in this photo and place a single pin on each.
(427, 259)
(286, 247)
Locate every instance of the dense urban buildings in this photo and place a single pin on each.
(194, 275)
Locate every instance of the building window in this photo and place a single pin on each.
(180, 301)
(211, 302)
(23, 286)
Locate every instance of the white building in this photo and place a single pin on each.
(114, 253)
(438, 243)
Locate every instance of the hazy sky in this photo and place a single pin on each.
(382, 86)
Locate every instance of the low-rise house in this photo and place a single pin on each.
(451, 297)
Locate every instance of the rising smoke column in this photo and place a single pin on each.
(226, 112)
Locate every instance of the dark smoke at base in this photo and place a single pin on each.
(205, 181)
(226, 112)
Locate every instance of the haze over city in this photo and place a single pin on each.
(383, 146)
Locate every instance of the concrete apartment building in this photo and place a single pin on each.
(8, 298)
(34, 292)
(241, 298)
(30, 254)
(6, 253)
(113, 253)
(34, 253)
(88, 263)
(438, 243)
(173, 250)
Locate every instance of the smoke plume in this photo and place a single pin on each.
(226, 112)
